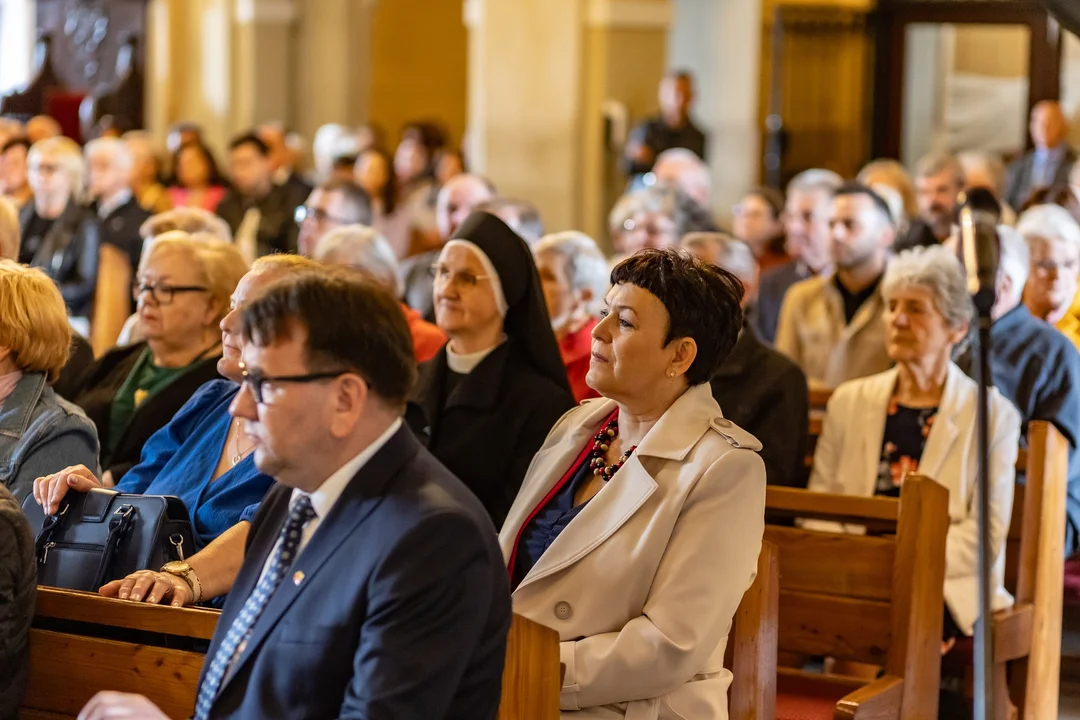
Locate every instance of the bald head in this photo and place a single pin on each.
(1048, 125)
(41, 127)
(685, 170)
(459, 197)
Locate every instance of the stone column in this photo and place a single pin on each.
(265, 61)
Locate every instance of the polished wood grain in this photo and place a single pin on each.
(753, 643)
(93, 608)
(531, 679)
(876, 513)
(851, 565)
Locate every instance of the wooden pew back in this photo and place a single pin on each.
(112, 298)
(751, 651)
(867, 598)
(82, 643)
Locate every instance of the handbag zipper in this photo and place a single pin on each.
(86, 547)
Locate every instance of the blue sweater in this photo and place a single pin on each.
(1038, 370)
(180, 458)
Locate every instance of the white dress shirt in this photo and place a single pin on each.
(108, 205)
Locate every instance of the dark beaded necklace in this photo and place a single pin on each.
(601, 443)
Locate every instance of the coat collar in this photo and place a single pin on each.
(16, 411)
(672, 438)
(357, 501)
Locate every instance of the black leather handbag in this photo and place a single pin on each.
(103, 535)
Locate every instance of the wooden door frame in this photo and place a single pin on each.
(891, 20)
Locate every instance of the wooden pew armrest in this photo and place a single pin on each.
(880, 700)
(1012, 632)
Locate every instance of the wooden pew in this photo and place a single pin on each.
(112, 298)
(751, 651)
(873, 599)
(82, 643)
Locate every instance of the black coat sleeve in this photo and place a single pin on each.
(784, 433)
(78, 288)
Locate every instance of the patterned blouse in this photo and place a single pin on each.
(906, 430)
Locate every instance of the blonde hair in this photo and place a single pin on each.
(188, 220)
(33, 320)
(219, 263)
(70, 158)
(281, 261)
(9, 230)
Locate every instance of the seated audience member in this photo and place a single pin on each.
(895, 202)
(806, 240)
(182, 291)
(891, 173)
(448, 164)
(396, 602)
(648, 495)
(198, 181)
(1066, 195)
(456, 200)
(14, 171)
(685, 170)
(374, 172)
(42, 127)
(758, 388)
(521, 215)
(919, 417)
(486, 402)
(939, 180)
(574, 278)
(146, 172)
(831, 325)
(59, 235)
(18, 585)
(181, 134)
(1053, 240)
(330, 206)
(983, 169)
(655, 217)
(1048, 163)
(344, 168)
(283, 175)
(109, 167)
(758, 221)
(40, 432)
(1034, 366)
(363, 248)
(258, 212)
(201, 456)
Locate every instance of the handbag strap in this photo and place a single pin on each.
(119, 524)
(48, 527)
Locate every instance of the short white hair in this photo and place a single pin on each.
(586, 266)
(815, 180)
(113, 148)
(685, 169)
(732, 254)
(1049, 223)
(364, 248)
(69, 157)
(1015, 259)
(937, 270)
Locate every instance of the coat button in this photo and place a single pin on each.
(563, 611)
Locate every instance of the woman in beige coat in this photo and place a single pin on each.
(639, 523)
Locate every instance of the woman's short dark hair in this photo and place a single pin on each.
(351, 321)
(703, 302)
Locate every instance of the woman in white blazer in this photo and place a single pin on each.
(920, 417)
(639, 523)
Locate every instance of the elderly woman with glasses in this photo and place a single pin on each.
(1053, 240)
(486, 401)
(203, 457)
(182, 291)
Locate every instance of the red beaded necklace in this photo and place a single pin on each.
(600, 447)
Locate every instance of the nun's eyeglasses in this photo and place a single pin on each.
(444, 276)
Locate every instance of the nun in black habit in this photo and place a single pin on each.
(486, 402)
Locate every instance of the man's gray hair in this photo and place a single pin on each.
(732, 254)
(1049, 223)
(816, 180)
(1015, 260)
(936, 162)
(937, 270)
(363, 248)
(115, 148)
(586, 266)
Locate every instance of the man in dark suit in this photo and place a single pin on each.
(806, 233)
(1049, 163)
(109, 165)
(257, 210)
(758, 388)
(372, 585)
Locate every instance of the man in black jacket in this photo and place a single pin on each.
(18, 580)
(758, 388)
(109, 167)
(256, 209)
(284, 175)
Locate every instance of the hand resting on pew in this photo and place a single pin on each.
(115, 705)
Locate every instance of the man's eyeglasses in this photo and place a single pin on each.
(444, 276)
(163, 294)
(1049, 266)
(258, 382)
(316, 215)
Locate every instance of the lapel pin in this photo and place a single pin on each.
(298, 577)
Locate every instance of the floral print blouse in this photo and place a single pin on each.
(906, 430)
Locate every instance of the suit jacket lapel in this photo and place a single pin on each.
(945, 430)
(873, 409)
(361, 496)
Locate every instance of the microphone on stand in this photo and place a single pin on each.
(980, 250)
